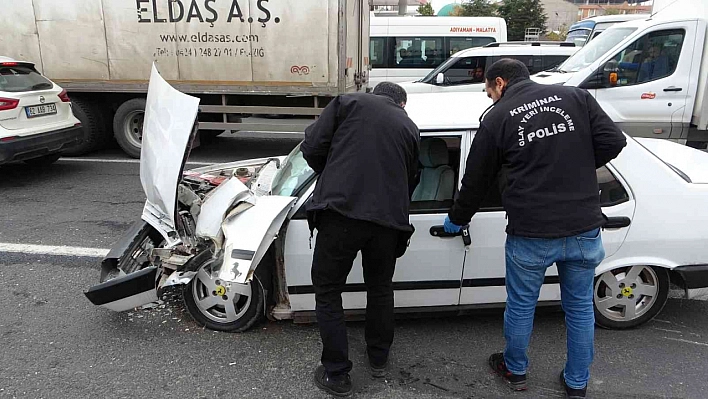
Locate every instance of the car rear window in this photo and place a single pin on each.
(20, 78)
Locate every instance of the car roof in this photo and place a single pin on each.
(447, 111)
(520, 49)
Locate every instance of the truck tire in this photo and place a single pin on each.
(128, 126)
(93, 124)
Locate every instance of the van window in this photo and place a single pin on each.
(418, 52)
(377, 51)
(466, 70)
(651, 57)
(455, 44)
(533, 62)
(552, 61)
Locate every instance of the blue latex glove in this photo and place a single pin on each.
(450, 227)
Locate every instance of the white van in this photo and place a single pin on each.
(403, 49)
(464, 71)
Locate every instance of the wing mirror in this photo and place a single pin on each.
(440, 79)
(612, 71)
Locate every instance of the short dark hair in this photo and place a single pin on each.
(393, 91)
(507, 69)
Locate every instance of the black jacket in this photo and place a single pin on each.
(365, 148)
(544, 142)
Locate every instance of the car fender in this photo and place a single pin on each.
(249, 234)
(613, 263)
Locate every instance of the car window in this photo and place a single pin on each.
(16, 79)
(466, 70)
(611, 190)
(438, 170)
(377, 48)
(418, 52)
(455, 44)
(651, 57)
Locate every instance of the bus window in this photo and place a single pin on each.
(455, 44)
(418, 52)
(377, 48)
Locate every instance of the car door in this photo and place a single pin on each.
(483, 277)
(650, 94)
(428, 274)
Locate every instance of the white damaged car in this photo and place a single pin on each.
(236, 236)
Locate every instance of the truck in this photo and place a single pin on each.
(649, 75)
(239, 57)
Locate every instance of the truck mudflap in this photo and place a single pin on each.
(126, 292)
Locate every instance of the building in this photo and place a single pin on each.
(561, 14)
(593, 10)
(390, 7)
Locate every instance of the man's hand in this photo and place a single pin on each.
(450, 227)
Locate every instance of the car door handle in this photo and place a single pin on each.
(439, 231)
(672, 88)
(617, 222)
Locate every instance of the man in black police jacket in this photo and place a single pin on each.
(545, 144)
(365, 150)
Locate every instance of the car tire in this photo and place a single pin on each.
(645, 288)
(128, 126)
(43, 160)
(208, 310)
(93, 125)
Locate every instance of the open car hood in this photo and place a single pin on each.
(168, 132)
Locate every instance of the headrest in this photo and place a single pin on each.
(433, 153)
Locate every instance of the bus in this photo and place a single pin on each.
(404, 49)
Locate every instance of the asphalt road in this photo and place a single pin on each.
(56, 344)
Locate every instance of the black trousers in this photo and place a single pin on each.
(339, 239)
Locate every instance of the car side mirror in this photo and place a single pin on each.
(598, 80)
(440, 79)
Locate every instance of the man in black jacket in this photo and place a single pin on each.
(545, 144)
(365, 150)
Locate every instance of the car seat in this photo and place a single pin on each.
(437, 179)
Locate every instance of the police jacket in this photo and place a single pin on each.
(365, 149)
(544, 143)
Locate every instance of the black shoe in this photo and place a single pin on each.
(572, 393)
(517, 382)
(337, 386)
(376, 370)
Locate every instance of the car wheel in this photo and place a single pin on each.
(630, 296)
(93, 125)
(212, 304)
(128, 126)
(43, 161)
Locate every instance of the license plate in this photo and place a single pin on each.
(41, 110)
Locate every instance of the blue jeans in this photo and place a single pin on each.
(526, 262)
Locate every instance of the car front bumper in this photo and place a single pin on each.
(37, 145)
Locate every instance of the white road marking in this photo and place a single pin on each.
(129, 161)
(665, 330)
(58, 250)
(687, 341)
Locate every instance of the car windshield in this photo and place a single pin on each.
(14, 79)
(429, 78)
(579, 37)
(595, 49)
(293, 175)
